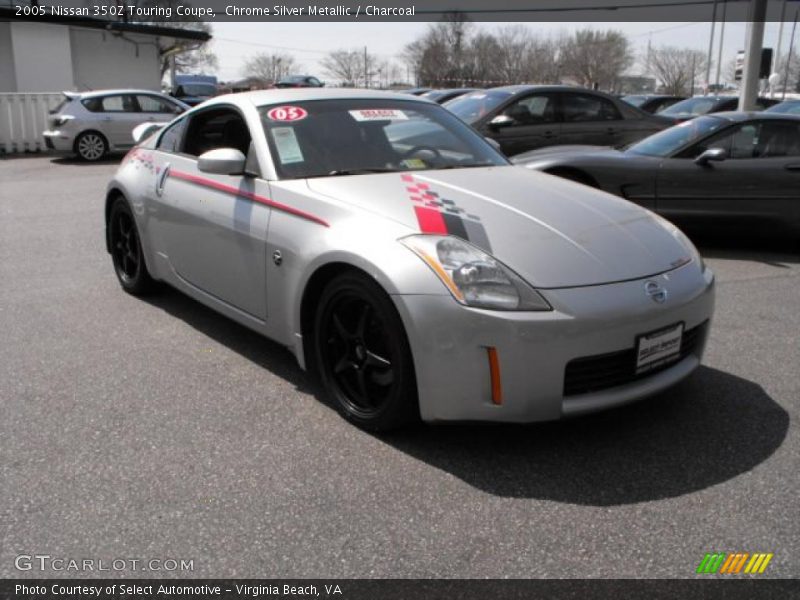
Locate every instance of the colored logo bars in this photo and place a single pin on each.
(734, 563)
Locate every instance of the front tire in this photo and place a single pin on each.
(362, 354)
(127, 253)
(91, 146)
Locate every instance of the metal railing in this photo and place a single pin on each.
(23, 118)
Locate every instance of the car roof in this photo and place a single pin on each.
(738, 117)
(275, 96)
(95, 93)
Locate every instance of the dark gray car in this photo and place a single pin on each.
(526, 117)
(727, 164)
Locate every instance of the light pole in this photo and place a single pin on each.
(752, 57)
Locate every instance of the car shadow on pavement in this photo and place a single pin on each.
(77, 162)
(254, 347)
(707, 430)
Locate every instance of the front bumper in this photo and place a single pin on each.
(449, 343)
(58, 141)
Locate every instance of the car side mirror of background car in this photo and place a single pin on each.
(500, 121)
(712, 154)
(222, 161)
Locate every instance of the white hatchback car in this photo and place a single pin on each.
(94, 124)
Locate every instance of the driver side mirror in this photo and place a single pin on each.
(712, 154)
(500, 121)
(222, 161)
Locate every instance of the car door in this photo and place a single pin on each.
(590, 119)
(119, 115)
(759, 178)
(526, 123)
(154, 108)
(212, 228)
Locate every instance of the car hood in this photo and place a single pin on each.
(553, 232)
(561, 151)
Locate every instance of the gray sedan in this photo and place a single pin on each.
(525, 117)
(418, 278)
(726, 165)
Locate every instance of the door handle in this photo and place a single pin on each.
(162, 179)
(792, 167)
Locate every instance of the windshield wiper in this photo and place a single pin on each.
(360, 171)
(465, 166)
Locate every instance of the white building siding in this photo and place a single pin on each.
(103, 60)
(42, 57)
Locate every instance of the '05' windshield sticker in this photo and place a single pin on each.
(378, 114)
(287, 114)
(443, 216)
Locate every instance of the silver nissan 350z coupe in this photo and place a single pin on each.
(398, 254)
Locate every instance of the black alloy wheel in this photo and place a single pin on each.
(126, 250)
(363, 356)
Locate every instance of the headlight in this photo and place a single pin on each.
(474, 277)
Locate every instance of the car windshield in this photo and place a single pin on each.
(667, 142)
(786, 108)
(635, 100)
(199, 89)
(320, 138)
(692, 106)
(471, 107)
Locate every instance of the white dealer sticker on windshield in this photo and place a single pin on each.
(286, 142)
(378, 114)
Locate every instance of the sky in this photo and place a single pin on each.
(309, 42)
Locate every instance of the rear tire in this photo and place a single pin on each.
(91, 146)
(362, 354)
(127, 253)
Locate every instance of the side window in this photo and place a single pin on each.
(123, 103)
(778, 138)
(171, 138)
(218, 128)
(154, 104)
(738, 142)
(578, 108)
(533, 110)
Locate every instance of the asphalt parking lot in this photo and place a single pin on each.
(156, 429)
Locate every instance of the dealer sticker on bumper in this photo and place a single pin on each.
(658, 347)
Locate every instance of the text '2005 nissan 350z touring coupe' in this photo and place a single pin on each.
(400, 256)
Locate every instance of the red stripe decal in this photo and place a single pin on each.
(229, 189)
(430, 220)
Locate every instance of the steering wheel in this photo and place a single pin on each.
(415, 149)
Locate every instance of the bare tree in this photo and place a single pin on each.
(676, 68)
(349, 66)
(793, 79)
(442, 55)
(596, 58)
(269, 66)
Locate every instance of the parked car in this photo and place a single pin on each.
(194, 89)
(735, 165)
(652, 103)
(788, 107)
(299, 81)
(417, 280)
(526, 117)
(442, 96)
(94, 124)
(705, 105)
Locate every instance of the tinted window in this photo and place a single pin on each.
(787, 108)
(692, 106)
(358, 136)
(533, 110)
(154, 104)
(778, 138)
(738, 142)
(171, 138)
(666, 143)
(212, 129)
(635, 100)
(580, 107)
(474, 106)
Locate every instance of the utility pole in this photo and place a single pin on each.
(710, 47)
(789, 57)
(721, 42)
(366, 69)
(752, 57)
